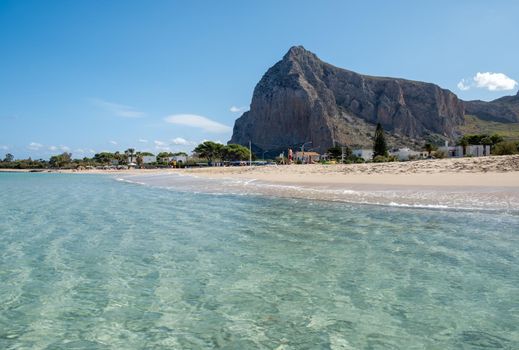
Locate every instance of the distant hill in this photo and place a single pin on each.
(504, 109)
(302, 99)
(475, 125)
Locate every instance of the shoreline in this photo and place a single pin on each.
(482, 172)
(426, 184)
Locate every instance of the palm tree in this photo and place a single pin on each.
(464, 143)
(130, 152)
(139, 159)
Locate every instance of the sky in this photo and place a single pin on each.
(91, 76)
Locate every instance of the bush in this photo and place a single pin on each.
(504, 148)
(439, 154)
(380, 159)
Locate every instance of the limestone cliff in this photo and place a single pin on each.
(303, 99)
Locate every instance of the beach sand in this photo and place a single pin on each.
(500, 171)
(486, 183)
(494, 171)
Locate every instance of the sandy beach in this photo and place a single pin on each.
(500, 171)
(494, 171)
(485, 183)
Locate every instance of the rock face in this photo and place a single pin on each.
(303, 99)
(504, 109)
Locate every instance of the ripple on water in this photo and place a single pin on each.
(88, 262)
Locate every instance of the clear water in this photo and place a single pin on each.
(87, 262)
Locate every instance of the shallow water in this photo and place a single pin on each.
(87, 262)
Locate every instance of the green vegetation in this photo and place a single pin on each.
(235, 152)
(61, 160)
(8, 157)
(335, 154)
(498, 144)
(480, 139)
(474, 125)
(209, 150)
(379, 144)
(10, 163)
(506, 147)
(213, 151)
(429, 148)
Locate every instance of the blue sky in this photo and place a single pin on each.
(89, 76)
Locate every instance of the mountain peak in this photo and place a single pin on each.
(297, 52)
(302, 99)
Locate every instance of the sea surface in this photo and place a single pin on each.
(89, 262)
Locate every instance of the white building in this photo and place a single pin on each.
(407, 154)
(366, 154)
(470, 151)
(149, 159)
(477, 150)
(178, 159)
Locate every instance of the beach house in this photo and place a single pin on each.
(470, 151)
(307, 157)
(149, 159)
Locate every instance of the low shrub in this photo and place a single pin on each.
(505, 148)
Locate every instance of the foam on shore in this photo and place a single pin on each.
(468, 198)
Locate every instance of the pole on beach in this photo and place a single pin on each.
(303, 150)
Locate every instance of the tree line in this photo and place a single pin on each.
(213, 151)
(209, 150)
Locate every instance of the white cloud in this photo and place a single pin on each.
(35, 146)
(463, 86)
(235, 109)
(490, 81)
(113, 142)
(198, 121)
(494, 81)
(180, 141)
(61, 148)
(80, 150)
(118, 109)
(143, 141)
(4, 147)
(160, 145)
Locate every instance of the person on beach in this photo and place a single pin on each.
(290, 155)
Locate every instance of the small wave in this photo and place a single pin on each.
(400, 197)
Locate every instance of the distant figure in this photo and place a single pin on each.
(290, 156)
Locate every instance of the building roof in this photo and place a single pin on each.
(307, 153)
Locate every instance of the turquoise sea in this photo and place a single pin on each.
(88, 262)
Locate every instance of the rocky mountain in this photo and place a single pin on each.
(504, 109)
(302, 99)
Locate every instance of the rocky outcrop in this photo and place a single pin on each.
(504, 109)
(303, 99)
